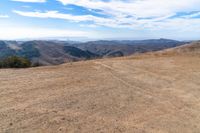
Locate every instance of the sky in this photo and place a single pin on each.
(100, 19)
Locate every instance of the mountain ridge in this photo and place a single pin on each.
(47, 52)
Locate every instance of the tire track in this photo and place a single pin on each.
(137, 88)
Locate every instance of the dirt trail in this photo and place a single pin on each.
(134, 94)
(116, 77)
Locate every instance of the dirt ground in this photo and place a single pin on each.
(139, 94)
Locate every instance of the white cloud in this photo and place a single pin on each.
(138, 8)
(26, 6)
(141, 13)
(89, 25)
(132, 14)
(4, 16)
(117, 22)
(56, 14)
(34, 32)
(32, 1)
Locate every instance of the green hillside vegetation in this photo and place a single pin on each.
(29, 51)
(15, 62)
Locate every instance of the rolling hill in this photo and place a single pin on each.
(192, 48)
(127, 47)
(58, 52)
(45, 52)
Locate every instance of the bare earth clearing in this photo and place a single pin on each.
(142, 94)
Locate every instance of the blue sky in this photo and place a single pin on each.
(100, 19)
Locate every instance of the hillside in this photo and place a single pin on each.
(58, 52)
(192, 48)
(44, 52)
(127, 47)
(52, 53)
(141, 94)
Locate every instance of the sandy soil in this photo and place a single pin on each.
(141, 94)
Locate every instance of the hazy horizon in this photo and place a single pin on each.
(81, 39)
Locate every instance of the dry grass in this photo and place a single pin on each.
(135, 94)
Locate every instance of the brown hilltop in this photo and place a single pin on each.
(140, 94)
(190, 49)
(193, 48)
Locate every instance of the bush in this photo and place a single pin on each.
(15, 62)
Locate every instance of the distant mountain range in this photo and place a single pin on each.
(57, 52)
